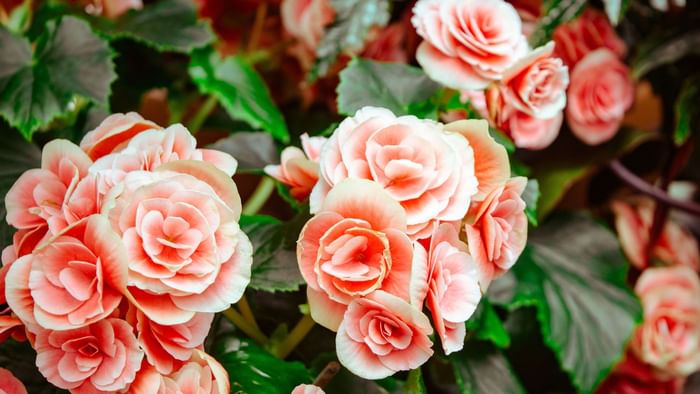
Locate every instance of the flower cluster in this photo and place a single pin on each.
(408, 213)
(126, 247)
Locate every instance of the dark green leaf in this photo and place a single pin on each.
(574, 273)
(567, 161)
(615, 9)
(556, 13)
(482, 369)
(37, 86)
(415, 384)
(667, 51)
(251, 369)
(166, 25)
(252, 150)
(487, 326)
(393, 86)
(274, 261)
(531, 196)
(686, 108)
(239, 88)
(353, 20)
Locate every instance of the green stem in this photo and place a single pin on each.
(247, 312)
(242, 324)
(298, 333)
(259, 197)
(202, 114)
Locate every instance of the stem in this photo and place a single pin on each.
(327, 374)
(241, 323)
(259, 197)
(260, 15)
(644, 187)
(247, 312)
(202, 114)
(298, 333)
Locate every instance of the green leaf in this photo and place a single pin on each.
(615, 10)
(239, 88)
(531, 196)
(274, 260)
(482, 369)
(487, 326)
(667, 51)
(251, 369)
(393, 86)
(567, 161)
(556, 13)
(252, 150)
(415, 384)
(574, 273)
(353, 20)
(166, 25)
(38, 85)
(686, 107)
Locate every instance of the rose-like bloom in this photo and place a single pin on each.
(497, 230)
(186, 250)
(669, 338)
(114, 133)
(428, 170)
(585, 34)
(382, 334)
(9, 384)
(536, 84)
(527, 131)
(169, 347)
(10, 325)
(299, 169)
(632, 376)
(37, 197)
(103, 356)
(305, 19)
(468, 43)
(354, 246)
(202, 374)
(307, 389)
(74, 279)
(448, 285)
(675, 245)
(386, 45)
(600, 93)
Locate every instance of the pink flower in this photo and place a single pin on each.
(529, 132)
(530, 12)
(675, 246)
(669, 338)
(387, 45)
(113, 134)
(102, 357)
(382, 334)
(186, 252)
(10, 325)
(9, 384)
(37, 197)
(354, 246)
(448, 285)
(537, 84)
(497, 230)
(631, 376)
(200, 375)
(468, 43)
(73, 280)
(600, 93)
(307, 389)
(589, 32)
(115, 8)
(429, 170)
(299, 169)
(305, 19)
(169, 347)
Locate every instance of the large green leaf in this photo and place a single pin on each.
(37, 85)
(482, 369)
(686, 110)
(252, 150)
(274, 261)
(567, 161)
(665, 51)
(574, 273)
(239, 88)
(487, 326)
(397, 87)
(166, 25)
(353, 20)
(251, 369)
(556, 13)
